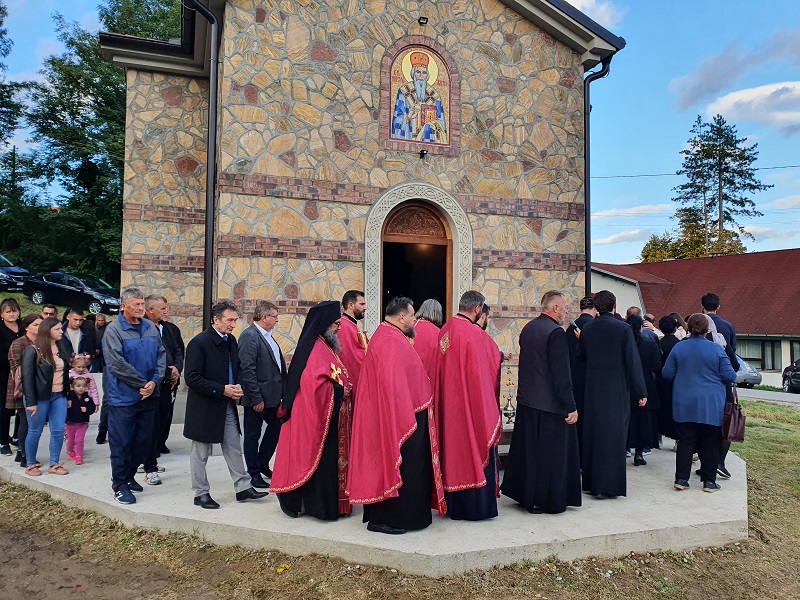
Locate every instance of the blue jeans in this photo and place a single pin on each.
(53, 412)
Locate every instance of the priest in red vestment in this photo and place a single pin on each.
(354, 340)
(468, 414)
(394, 462)
(314, 445)
(426, 338)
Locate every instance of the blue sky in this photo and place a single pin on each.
(683, 58)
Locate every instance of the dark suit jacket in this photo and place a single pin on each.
(262, 379)
(727, 330)
(206, 373)
(173, 344)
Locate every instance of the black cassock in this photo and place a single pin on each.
(643, 428)
(578, 370)
(666, 426)
(543, 466)
(613, 374)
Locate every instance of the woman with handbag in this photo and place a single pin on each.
(699, 370)
(30, 325)
(45, 383)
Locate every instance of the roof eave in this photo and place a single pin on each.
(190, 57)
(571, 27)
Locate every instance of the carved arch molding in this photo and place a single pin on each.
(460, 227)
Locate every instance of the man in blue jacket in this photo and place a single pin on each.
(135, 365)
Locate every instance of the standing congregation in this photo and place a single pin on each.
(404, 423)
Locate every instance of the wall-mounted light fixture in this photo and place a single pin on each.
(423, 153)
(423, 20)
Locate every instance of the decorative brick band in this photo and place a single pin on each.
(511, 259)
(162, 262)
(326, 191)
(247, 245)
(165, 214)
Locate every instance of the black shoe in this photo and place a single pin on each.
(23, 463)
(388, 529)
(638, 460)
(536, 511)
(711, 486)
(5, 450)
(605, 497)
(101, 438)
(205, 501)
(258, 482)
(289, 512)
(134, 486)
(18, 457)
(267, 472)
(723, 472)
(163, 450)
(249, 494)
(681, 484)
(697, 472)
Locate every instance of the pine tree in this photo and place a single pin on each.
(720, 180)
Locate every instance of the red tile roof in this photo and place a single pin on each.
(758, 291)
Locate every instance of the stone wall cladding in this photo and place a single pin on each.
(164, 193)
(301, 94)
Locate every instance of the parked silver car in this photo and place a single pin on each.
(748, 375)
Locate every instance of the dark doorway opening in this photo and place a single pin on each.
(418, 271)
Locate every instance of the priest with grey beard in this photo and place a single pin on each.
(313, 454)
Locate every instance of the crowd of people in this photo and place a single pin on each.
(405, 422)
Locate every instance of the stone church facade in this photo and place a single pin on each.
(351, 135)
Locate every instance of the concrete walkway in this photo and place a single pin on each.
(652, 517)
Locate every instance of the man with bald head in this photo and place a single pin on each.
(543, 471)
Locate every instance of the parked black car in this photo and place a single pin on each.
(11, 276)
(79, 291)
(791, 377)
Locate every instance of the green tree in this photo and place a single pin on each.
(720, 179)
(10, 104)
(78, 120)
(690, 240)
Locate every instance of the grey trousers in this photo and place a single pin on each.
(231, 450)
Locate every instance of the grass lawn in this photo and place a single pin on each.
(27, 306)
(768, 388)
(765, 566)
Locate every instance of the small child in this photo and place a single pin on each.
(79, 407)
(80, 368)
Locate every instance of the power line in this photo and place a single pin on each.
(676, 175)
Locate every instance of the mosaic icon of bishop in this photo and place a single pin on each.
(419, 110)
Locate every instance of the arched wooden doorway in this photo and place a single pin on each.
(417, 249)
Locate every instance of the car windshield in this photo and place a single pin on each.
(4, 262)
(95, 283)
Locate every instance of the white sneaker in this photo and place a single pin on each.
(140, 469)
(160, 469)
(152, 479)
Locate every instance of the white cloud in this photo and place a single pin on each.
(762, 233)
(786, 202)
(633, 212)
(715, 73)
(605, 12)
(635, 235)
(776, 105)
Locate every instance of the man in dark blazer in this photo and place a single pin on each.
(155, 310)
(77, 330)
(262, 372)
(543, 471)
(212, 368)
